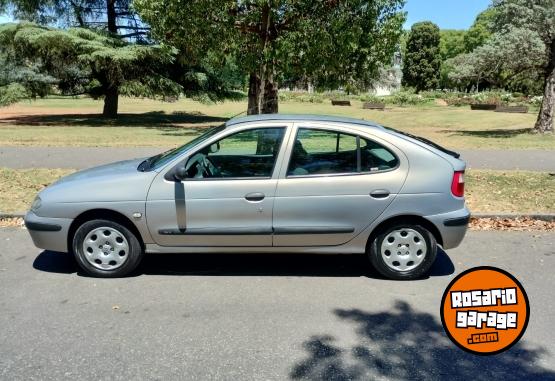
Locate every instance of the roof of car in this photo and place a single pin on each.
(298, 118)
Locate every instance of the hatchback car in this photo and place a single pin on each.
(264, 184)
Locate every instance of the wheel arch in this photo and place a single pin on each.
(106, 214)
(407, 219)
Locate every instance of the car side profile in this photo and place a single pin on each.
(264, 184)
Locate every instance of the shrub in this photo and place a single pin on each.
(460, 101)
(405, 98)
(536, 101)
(12, 93)
(371, 98)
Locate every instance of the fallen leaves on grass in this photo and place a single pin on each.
(11, 222)
(514, 224)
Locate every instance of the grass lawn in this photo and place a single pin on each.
(486, 191)
(76, 122)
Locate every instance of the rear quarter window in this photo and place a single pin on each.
(375, 157)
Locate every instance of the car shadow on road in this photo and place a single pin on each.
(402, 343)
(243, 265)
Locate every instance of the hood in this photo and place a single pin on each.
(113, 169)
(120, 181)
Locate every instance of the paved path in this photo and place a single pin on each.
(84, 157)
(245, 317)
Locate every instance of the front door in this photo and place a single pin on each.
(335, 185)
(227, 197)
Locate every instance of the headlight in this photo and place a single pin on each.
(37, 202)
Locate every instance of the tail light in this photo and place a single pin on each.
(457, 185)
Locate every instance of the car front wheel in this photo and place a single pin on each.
(403, 251)
(106, 249)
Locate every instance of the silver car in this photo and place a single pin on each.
(264, 184)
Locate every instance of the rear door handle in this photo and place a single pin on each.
(379, 193)
(255, 196)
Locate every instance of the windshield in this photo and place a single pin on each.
(161, 159)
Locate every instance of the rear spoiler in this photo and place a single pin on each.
(456, 155)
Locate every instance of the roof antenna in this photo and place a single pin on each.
(236, 115)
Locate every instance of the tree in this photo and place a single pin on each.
(80, 61)
(422, 62)
(451, 43)
(505, 59)
(113, 16)
(537, 19)
(480, 31)
(520, 52)
(332, 43)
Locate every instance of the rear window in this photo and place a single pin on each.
(426, 141)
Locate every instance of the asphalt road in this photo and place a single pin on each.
(242, 317)
(84, 157)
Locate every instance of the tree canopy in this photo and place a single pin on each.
(80, 61)
(519, 54)
(333, 43)
(422, 62)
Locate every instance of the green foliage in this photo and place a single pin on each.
(333, 44)
(80, 61)
(480, 31)
(507, 60)
(451, 43)
(288, 96)
(371, 98)
(421, 66)
(405, 98)
(12, 93)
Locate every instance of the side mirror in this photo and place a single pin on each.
(214, 147)
(180, 173)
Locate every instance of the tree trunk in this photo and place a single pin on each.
(270, 101)
(265, 103)
(254, 94)
(111, 15)
(111, 102)
(545, 117)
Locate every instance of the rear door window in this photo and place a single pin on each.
(325, 152)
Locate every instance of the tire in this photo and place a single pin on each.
(394, 260)
(106, 249)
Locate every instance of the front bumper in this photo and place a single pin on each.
(452, 226)
(48, 233)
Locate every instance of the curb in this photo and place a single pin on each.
(549, 217)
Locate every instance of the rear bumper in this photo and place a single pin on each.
(48, 233)
(452, 226)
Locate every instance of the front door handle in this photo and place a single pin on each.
(255, 196)
(379, 193)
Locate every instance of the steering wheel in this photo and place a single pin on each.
(209, 167)
(204, 167)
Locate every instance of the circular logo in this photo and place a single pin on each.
(485, 310)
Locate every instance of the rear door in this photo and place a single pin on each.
(333, 184)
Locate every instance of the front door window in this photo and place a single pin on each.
(245, 154)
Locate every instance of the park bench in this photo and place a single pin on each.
(373, 106)
(337, 102)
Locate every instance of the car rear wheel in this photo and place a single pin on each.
(106, 249)
(403, 251)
